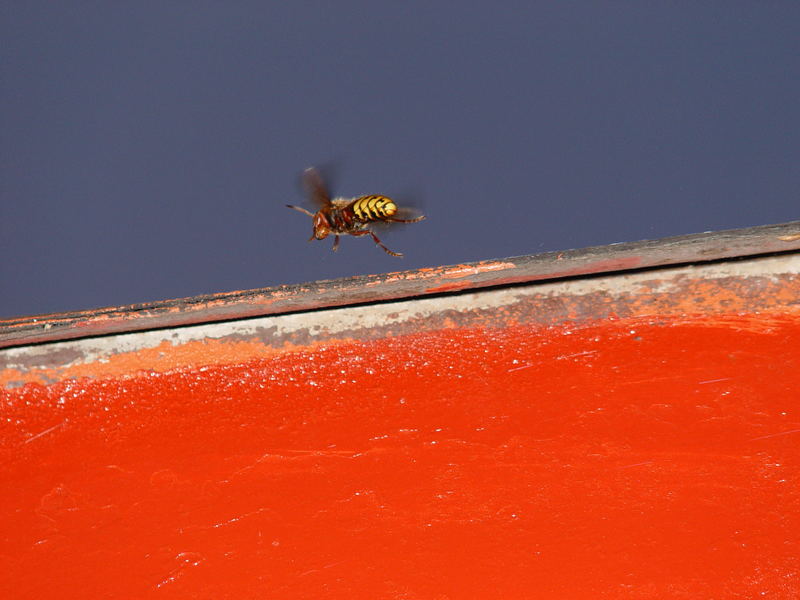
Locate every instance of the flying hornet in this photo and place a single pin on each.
(347, 216)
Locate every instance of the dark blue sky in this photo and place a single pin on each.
(148, 148)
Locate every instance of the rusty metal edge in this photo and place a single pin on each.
(702, 247)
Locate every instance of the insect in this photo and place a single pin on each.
(347, 216)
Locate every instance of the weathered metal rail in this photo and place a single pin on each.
(685, 249)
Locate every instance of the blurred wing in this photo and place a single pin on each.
(410, 203)
(315, 188)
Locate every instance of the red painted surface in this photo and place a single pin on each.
(636, 458)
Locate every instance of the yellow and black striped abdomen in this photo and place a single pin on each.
(373, 208)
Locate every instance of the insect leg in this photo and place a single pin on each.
(377, 241)
(336, 243)
(416, 220)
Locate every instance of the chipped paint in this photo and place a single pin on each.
(765, 284)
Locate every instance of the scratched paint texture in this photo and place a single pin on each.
(634, 445)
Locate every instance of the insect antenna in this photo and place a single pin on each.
(301, 209)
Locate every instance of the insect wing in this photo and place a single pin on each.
(410, 204)
(314, 186)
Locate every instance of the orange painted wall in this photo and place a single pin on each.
(642, 457)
